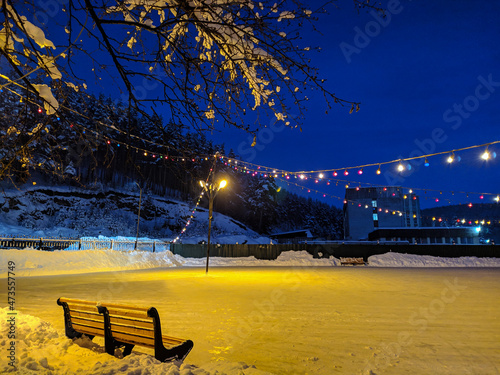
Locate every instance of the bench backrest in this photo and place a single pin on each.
(81, 316)
(130, 324)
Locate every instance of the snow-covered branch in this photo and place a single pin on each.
(207, 61)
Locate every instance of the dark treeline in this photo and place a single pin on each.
(100, 143)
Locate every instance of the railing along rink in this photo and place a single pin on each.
(84, 243)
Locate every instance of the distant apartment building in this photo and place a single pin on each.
(371, 208)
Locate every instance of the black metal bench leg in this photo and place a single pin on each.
(178, 352)
(128, 349)
(70, 332)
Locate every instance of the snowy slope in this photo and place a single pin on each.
(70, 212)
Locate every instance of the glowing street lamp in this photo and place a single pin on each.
(212, 190)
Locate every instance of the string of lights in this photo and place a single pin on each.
(190, 218)
(349, 183)
(487, 154)
(254, 172)
(382, 210)
(110, 127)
(265, 171)
(196, 205)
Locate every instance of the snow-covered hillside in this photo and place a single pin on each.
(71, 212)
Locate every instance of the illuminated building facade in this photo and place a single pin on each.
(368, 209)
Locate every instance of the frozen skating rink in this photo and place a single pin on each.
(305, 320)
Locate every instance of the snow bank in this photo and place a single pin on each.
(30, 262)
(41, 349)
(303, 258)
(410, 260)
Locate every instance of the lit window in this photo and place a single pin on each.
(374, 203)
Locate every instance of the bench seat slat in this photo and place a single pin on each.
(173, 341)
(147, 324)
(125, 307)
(88, 330)
(70, 301)
(147, 333)
(74, 307)
(87, 315)
(129, 313)
(134, 340)
(88, 322)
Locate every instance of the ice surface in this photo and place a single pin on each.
(31, 262)
(306, 317)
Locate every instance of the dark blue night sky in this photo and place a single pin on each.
(428, 79)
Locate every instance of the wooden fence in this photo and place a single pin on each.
(266, 251)
(338, 250)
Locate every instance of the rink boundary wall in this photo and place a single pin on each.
(262, 251)
(271, 251)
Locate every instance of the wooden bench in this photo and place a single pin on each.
(352, 261)
(122, 326)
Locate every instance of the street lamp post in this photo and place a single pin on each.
(212, 190)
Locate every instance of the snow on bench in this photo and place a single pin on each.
(122, 326)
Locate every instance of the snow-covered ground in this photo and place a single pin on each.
(305, 317)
